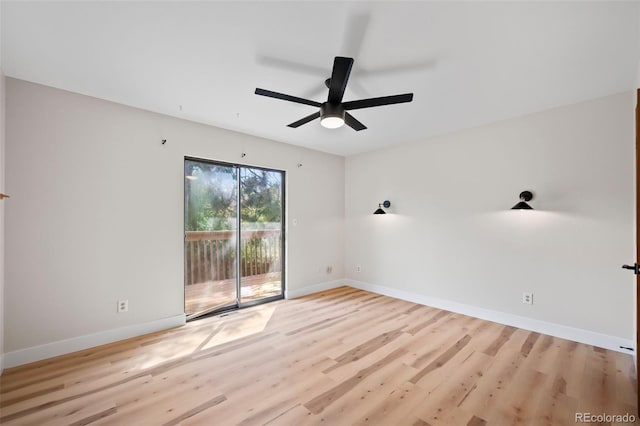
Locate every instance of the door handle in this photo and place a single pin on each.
(635, 268)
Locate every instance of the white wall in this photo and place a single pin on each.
(96, 212)
(452, 236)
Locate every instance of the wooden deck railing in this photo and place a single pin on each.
(210, 255)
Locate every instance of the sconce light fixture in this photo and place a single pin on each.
(524, 197)
(386, 204)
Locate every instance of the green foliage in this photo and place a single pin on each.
(260, 196)
(211, 197)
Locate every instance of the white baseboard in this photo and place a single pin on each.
(62, 347)
(313, 288)
(544, 327)
(1, 363)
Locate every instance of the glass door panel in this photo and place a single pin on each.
(210, 243)
(261, 226)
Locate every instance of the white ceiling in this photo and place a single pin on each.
(467, 63)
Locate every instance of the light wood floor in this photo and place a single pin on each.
(339, 357)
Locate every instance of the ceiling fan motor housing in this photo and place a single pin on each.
(328, 109)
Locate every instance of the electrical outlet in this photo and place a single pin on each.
(358, 268)
(123, 306)
(527, 298)
(329, 269)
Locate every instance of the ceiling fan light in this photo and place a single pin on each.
(331, 115)
(332, 122)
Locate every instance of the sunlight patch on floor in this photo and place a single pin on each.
(251, 324)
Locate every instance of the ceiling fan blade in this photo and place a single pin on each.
(305, 120)
(353, 123)
(374, 102)
(270, 94)
(339, 77)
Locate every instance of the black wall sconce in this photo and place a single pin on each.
(524, 197)
(386, 204)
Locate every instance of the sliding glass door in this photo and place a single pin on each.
(211, 225)
(233, 236)
(261, 196)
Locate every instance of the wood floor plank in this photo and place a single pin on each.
(527, 346)
(494, 385)
(432, 320)
(296, 415)
(62, 409)
(433, 341)
(320, 402)
(497, 344)
(625, 379)
(555, 410)
(345, 371)
(339, 357)
(525, 394)
(442, 359)
(442, 407)
(394, 408)
(598, 388)
(476, 421)
(364, 349)
(372, 391)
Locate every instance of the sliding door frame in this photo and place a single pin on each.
(238, 267)
(282, 237)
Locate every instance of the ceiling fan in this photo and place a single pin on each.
(333, 113)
